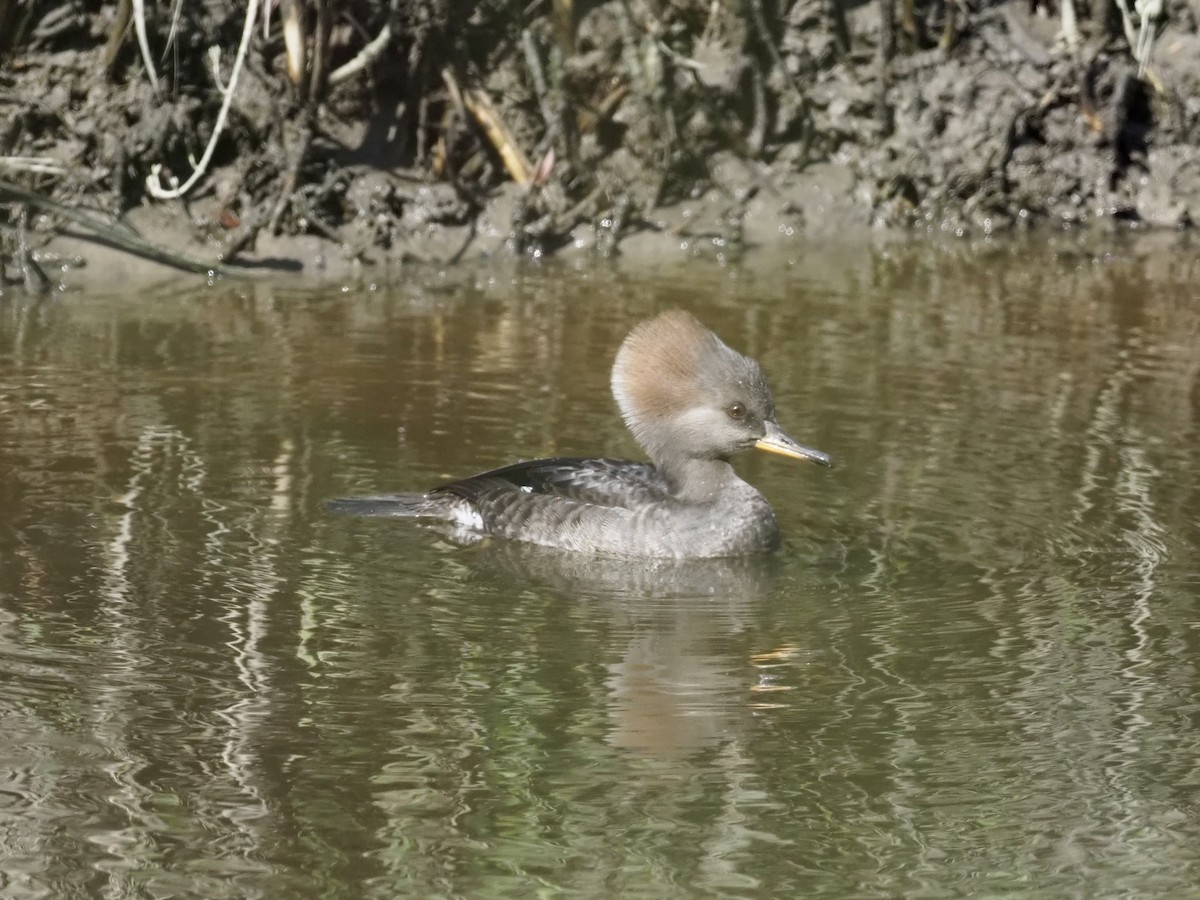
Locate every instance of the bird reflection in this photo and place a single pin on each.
(682, 680)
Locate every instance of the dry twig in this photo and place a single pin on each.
(153, 182)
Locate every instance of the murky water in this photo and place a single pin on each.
(973, 667)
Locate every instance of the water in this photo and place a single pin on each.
(971, 669)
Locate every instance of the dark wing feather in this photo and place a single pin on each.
(566, 502)
(599, 482)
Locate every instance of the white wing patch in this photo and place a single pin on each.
(467, 516)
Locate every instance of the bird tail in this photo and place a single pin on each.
(389, 505)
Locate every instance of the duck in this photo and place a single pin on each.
(691, 403)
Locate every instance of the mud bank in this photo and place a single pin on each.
(336, 141)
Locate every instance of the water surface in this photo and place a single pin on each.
(972, 668)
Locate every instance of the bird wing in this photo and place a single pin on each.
(596, 482)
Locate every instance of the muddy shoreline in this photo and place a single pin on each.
(333, 143)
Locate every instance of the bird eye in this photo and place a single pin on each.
(736, 411)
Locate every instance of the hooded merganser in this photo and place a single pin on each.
(691, 403)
